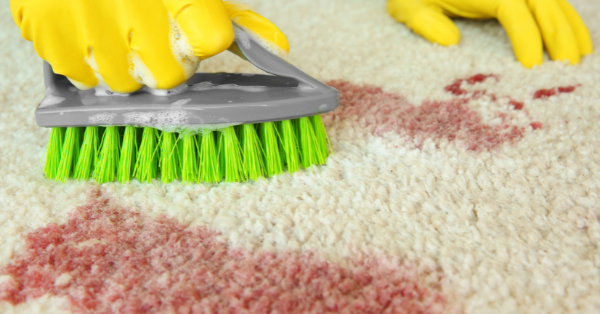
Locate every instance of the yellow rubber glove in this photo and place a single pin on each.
(262, 29)
(527, 23)
(130, 43)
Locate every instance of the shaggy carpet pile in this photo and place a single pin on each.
(461, 183)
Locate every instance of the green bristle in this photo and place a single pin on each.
(189, 158)
(232, 168)
(238, 132)
(278, 128)
(88, 154)
(209, 158)
(252, 153)
(270, 146)
(180, 137)
(169, 157)
(234, 154)
(128, 154)
(146, 165)
(321, 135)
(108, 160)
(69, 153)
(220, 154)
(53, 152)
(310, 151)
(290, 145)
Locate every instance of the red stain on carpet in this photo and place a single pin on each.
(380, 112)
(545, 93)
(517, 105)
(536, 125)
(456, 87)
(107, 259)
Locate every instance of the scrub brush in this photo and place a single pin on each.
(217, 126)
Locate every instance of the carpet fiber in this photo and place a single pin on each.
(461, 183)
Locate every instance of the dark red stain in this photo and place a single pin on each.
(379, 112)
(536, 125)
(545, 93)
(456, 87)
(120, 261)
(517, 105)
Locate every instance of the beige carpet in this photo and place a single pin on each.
(448, 192)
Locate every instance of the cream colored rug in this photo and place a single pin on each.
(461, 183)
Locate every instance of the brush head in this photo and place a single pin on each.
(205, 99)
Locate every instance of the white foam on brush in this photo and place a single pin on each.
(173, 120)
(79, 85)
(91, 61)
(244, 37)
(195, 129)
(102, 118)
(182, 49)
(175, 116)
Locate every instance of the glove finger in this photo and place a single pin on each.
(67, 57)
(582, 34)
(557, 33)
(108, 47)
(271, 36)
(523, 32)
(427, 21)
(155, 54)
(205, 23)
(69, 61)
(111, 64)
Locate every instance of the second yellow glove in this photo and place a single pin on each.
(528, 23)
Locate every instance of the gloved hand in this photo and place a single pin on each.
(527, 23)
(130, 43)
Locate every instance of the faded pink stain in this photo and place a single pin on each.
(107, 259)
(545, 93)
(380, 112)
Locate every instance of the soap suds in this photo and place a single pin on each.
(155, 119)
(182, 49)
(241, 37)
(139, 71)
(102, 118)
(244, 36)
(194, 129)
(91, 61)
(79, 85)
